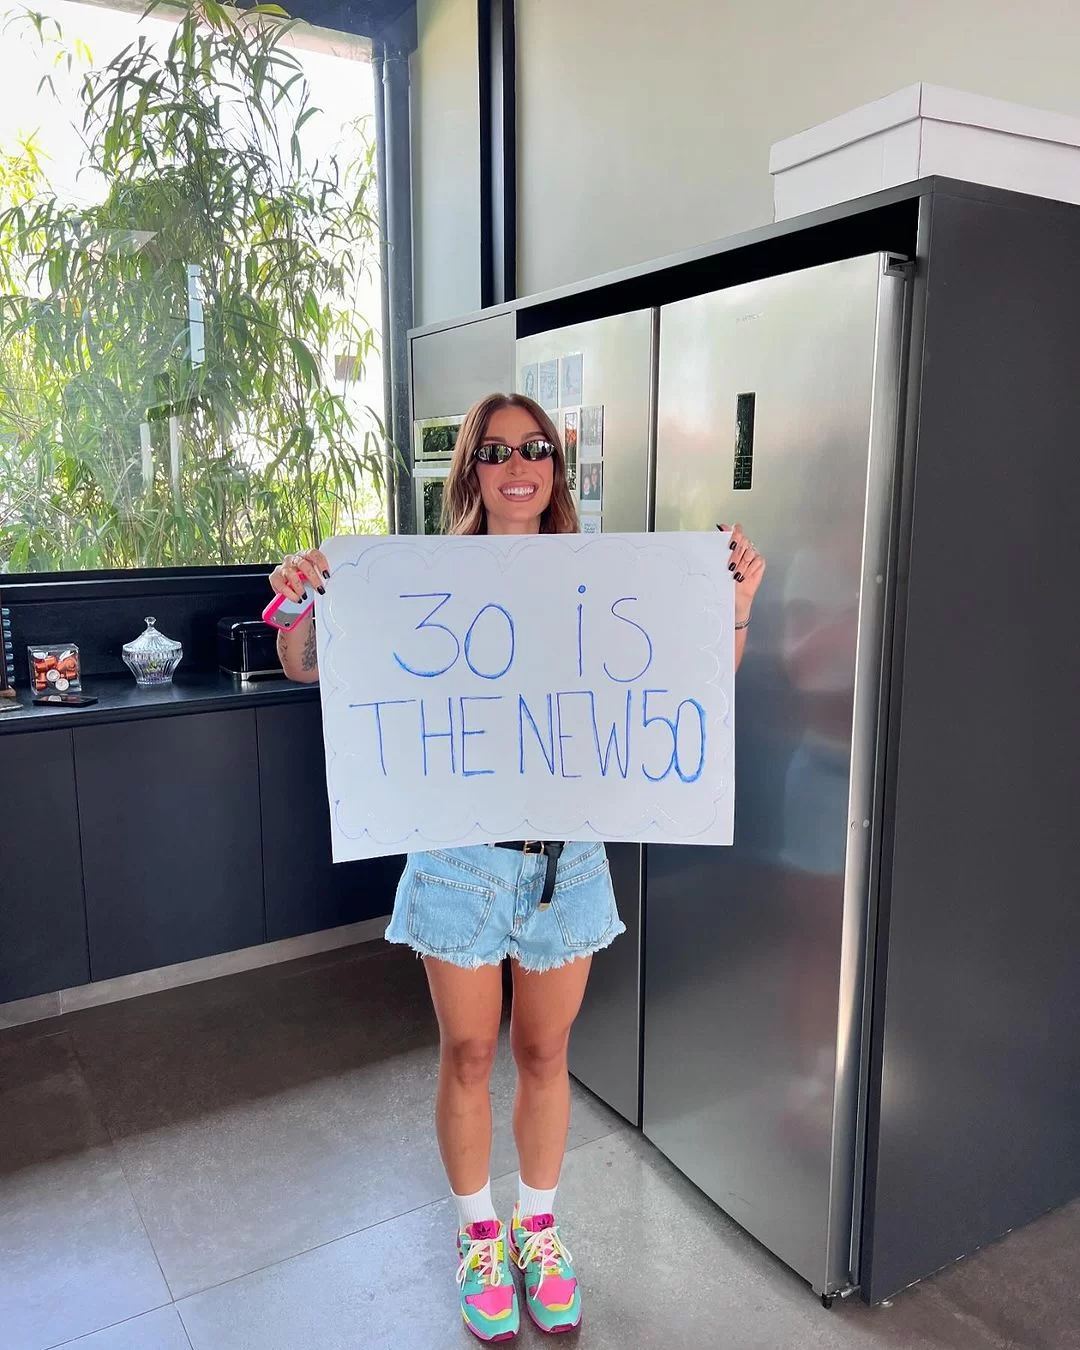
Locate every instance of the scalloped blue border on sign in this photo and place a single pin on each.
(504, 554)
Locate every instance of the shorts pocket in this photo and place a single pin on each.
(584, 907)
(446, 915)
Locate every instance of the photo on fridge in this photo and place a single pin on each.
(592, 483)
(570, 446)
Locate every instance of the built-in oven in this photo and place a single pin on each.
(434, 439)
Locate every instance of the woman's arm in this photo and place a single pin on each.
(296, 649)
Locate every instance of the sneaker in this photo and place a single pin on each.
(551, 1287)
(489, 1301)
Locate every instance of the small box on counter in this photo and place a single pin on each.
(247, 649)
(54, 668)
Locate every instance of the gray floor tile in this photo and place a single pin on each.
(659, 1265)
(344, 1296)
(1024, 1289)
(255, 1121)
(159, 1330)
(73, 1252)
(263, 1116)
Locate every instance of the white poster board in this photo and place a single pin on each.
(483, 689)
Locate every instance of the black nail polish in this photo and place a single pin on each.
(738, 576)
(732, 544)
(321, 590)
(326, 576)
(731, 567)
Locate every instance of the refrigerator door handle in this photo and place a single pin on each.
(865, 794)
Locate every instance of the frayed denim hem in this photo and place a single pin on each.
(540, 966)
(535, 965)
(464, 960)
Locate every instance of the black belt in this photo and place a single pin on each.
(553, 852)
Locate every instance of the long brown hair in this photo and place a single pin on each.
(462, 505)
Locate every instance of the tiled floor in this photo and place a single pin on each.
(249, 1164)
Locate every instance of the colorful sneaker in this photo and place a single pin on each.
(551, 1288)
(489, 1301)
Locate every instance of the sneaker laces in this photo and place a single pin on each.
(486, 1254)
(547, 1249)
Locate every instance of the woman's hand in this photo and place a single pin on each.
(749, 568)
(297, 648)
(299, 570)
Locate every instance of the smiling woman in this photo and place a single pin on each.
(547, 905)
(508, 474)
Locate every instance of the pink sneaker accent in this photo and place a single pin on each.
(536, 1223)
(556, 1294)
(482, 1231)
(495, 1301)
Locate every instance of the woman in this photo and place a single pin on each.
(508, 476)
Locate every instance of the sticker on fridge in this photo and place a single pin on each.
(529, 376)
(548, 385)
(591, 522)
(571, 380)
(592, 433)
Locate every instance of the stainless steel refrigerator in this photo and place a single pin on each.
(775, 404)
(778, 406)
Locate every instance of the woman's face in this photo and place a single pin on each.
(515, 494)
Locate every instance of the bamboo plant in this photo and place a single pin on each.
(168, 391)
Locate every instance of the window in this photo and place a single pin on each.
(189, 367)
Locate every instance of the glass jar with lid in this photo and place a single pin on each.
(152, 657)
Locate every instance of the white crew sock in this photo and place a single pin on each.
(532, 1201)
(475, 1208)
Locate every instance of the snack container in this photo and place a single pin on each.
(54, 668)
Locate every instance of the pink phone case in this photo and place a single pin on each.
(293, 612)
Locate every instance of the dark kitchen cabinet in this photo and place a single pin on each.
(42, 927)
(169, 818)
(304, 890)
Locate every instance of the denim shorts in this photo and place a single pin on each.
(475, 906)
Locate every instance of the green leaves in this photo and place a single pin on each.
(115, 450)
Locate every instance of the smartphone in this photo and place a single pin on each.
(284, 613)
(65, 700)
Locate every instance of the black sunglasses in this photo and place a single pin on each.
(530, 451)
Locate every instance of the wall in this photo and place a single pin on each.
(644, 129)
(446, 161)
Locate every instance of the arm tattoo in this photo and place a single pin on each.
(309, 658)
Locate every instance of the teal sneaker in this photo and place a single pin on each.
(552, 1296)
(489, 1302)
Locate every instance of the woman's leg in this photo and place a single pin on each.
(468, 1004)
(545, 1006)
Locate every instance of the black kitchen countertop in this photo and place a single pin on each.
(121, 700)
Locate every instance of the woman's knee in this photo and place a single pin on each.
(470, 1059)
(541, 1057)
